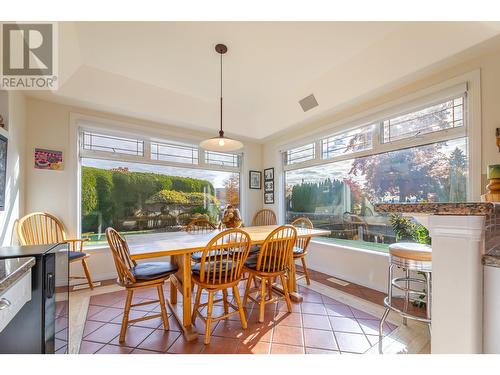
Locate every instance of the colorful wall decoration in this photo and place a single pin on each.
(48, 159)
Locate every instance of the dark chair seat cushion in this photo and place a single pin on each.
(153, 270)
(252, 262)
(74, 255)
(214, 266)
(196, 257)
(254, 249)
(297, 250)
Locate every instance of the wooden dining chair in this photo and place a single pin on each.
(133, 276)
(41, 228)
(199, 226)
(264, 217)
(221, 268)
(300, 248)
(273, 261)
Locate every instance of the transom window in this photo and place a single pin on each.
(222, 159)
(442, 116)
(348, 142)
(174, 153)
(430, 123)
(301, 154)
(117, 145)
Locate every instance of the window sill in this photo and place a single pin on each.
(365, 249)
(96, 248)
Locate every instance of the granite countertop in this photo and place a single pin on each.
(465, 208)
(491, 210)
(492, 260)
(13, 269)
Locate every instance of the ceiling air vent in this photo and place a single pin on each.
(309, 102)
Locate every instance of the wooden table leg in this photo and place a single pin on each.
(182, 281)
(173, 291)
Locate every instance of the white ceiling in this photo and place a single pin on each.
(169, 71)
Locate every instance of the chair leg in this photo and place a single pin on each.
(285, 292)
(269, 289)
(243, 319)
(247, 289)
(226, 303)
(209, 316)
(262, 303)
(126, 312)
(163, 308)
(196, 305)
(87, 273)
(306, 271)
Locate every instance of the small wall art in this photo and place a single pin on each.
(255, 180)
(269, 174)
(268, 198)
(48, 159)
(269, 186)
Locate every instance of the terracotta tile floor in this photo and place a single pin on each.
(61, 327)
(318, 325)
(360, 291)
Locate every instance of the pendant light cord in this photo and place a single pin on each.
(221, 133)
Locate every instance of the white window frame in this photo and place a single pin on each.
(81, 122)
(469, 83)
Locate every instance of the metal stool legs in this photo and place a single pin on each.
(408, 292)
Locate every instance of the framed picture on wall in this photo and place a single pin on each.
(269, 174)
(48, 159)
(268, 198)
(269, 186)
(255, 180)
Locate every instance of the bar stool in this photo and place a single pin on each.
(410, 257)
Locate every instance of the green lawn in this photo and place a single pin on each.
(99, 239)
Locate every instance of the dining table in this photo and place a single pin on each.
(180, 245)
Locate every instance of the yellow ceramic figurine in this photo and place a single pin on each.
(231, 218)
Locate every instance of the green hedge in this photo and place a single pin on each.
(116, 194)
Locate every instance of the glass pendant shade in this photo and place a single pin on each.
(221, 143)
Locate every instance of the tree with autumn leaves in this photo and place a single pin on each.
(232, 190)
(424, 173)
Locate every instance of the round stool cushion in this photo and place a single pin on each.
(411, 250)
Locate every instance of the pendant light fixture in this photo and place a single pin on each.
(221, 143)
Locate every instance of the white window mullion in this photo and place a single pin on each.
(378, 131)
(201, 157)
(147, 151)
(318, 148)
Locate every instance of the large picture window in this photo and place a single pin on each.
(339, 194)
(153, 193)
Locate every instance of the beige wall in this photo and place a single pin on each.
(489, 66)
(14, 111)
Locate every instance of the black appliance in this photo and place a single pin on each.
(42, 325)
